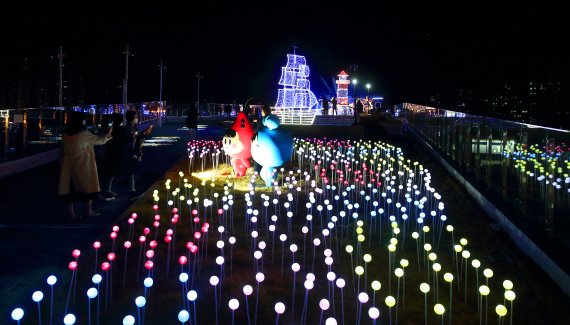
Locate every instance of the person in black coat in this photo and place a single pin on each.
(192, 121)
(123, 152)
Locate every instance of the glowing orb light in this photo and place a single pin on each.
(17, 314)
(233, 304)
(69, 319)
(439, 309)
(279, 308)
(37, 296)
(92, 293)
(128, 320)
(183, 316)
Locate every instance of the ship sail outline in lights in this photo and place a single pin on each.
(296, 92)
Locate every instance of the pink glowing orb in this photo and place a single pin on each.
(167, 239)
(131, 221)
(207, 225)
(324, 304)
(156, 224)
(105, 266)
(155, 207)
(175, 210)
(189, 244)
(204, 229)
(197, 235)
(174, 220)
(196, 220)
(111, 256)
(149, 253)
(194, 212)
(97, 245)
(280, 308)
(76, 253)
(127, 244)
(153, 244)
(146, 231)
(134, 215)
(220, 211)
(113, 235)
(194, 249)
(169, 232)
(182, 260)
(247, 290)
(156, 217)
(148, 265)
(116, 228)
(214, 280)
(233, 304)
(142, 239)
(72, 265)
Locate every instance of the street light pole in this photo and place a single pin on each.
(198, 76)
(160, 96)
(60, 57)
(126, 80)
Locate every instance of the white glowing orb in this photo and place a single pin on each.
(128, 320)
(183, 316)
(92, 293)
(51, 280)
(233, 304)
(96, 279)
(140, 301)
(69, 319)
(37, 296)
(17, 314)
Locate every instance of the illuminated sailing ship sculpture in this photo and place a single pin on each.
(295, 99)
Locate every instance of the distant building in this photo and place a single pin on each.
(534, 102)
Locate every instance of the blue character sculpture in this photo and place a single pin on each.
(271, 147)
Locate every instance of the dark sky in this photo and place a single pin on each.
(407, 51)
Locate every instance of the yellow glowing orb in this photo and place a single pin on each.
(439, 309)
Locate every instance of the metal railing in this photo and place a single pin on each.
(25, 132)
(527, 166)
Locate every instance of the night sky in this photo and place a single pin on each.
(407, 51)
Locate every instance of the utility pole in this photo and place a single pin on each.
(160, 91)
(354, 68)
(160, 96)
(60, 83)
(198, 76)
(126, 80)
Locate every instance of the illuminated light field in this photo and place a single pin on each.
(543, 166)
(350, 233)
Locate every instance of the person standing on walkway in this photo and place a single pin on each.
(123, 153)
(333, 101)
(78, 180)
(192, 121)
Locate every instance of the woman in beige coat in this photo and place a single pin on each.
(78, 180)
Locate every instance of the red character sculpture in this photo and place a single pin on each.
(237, 144)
